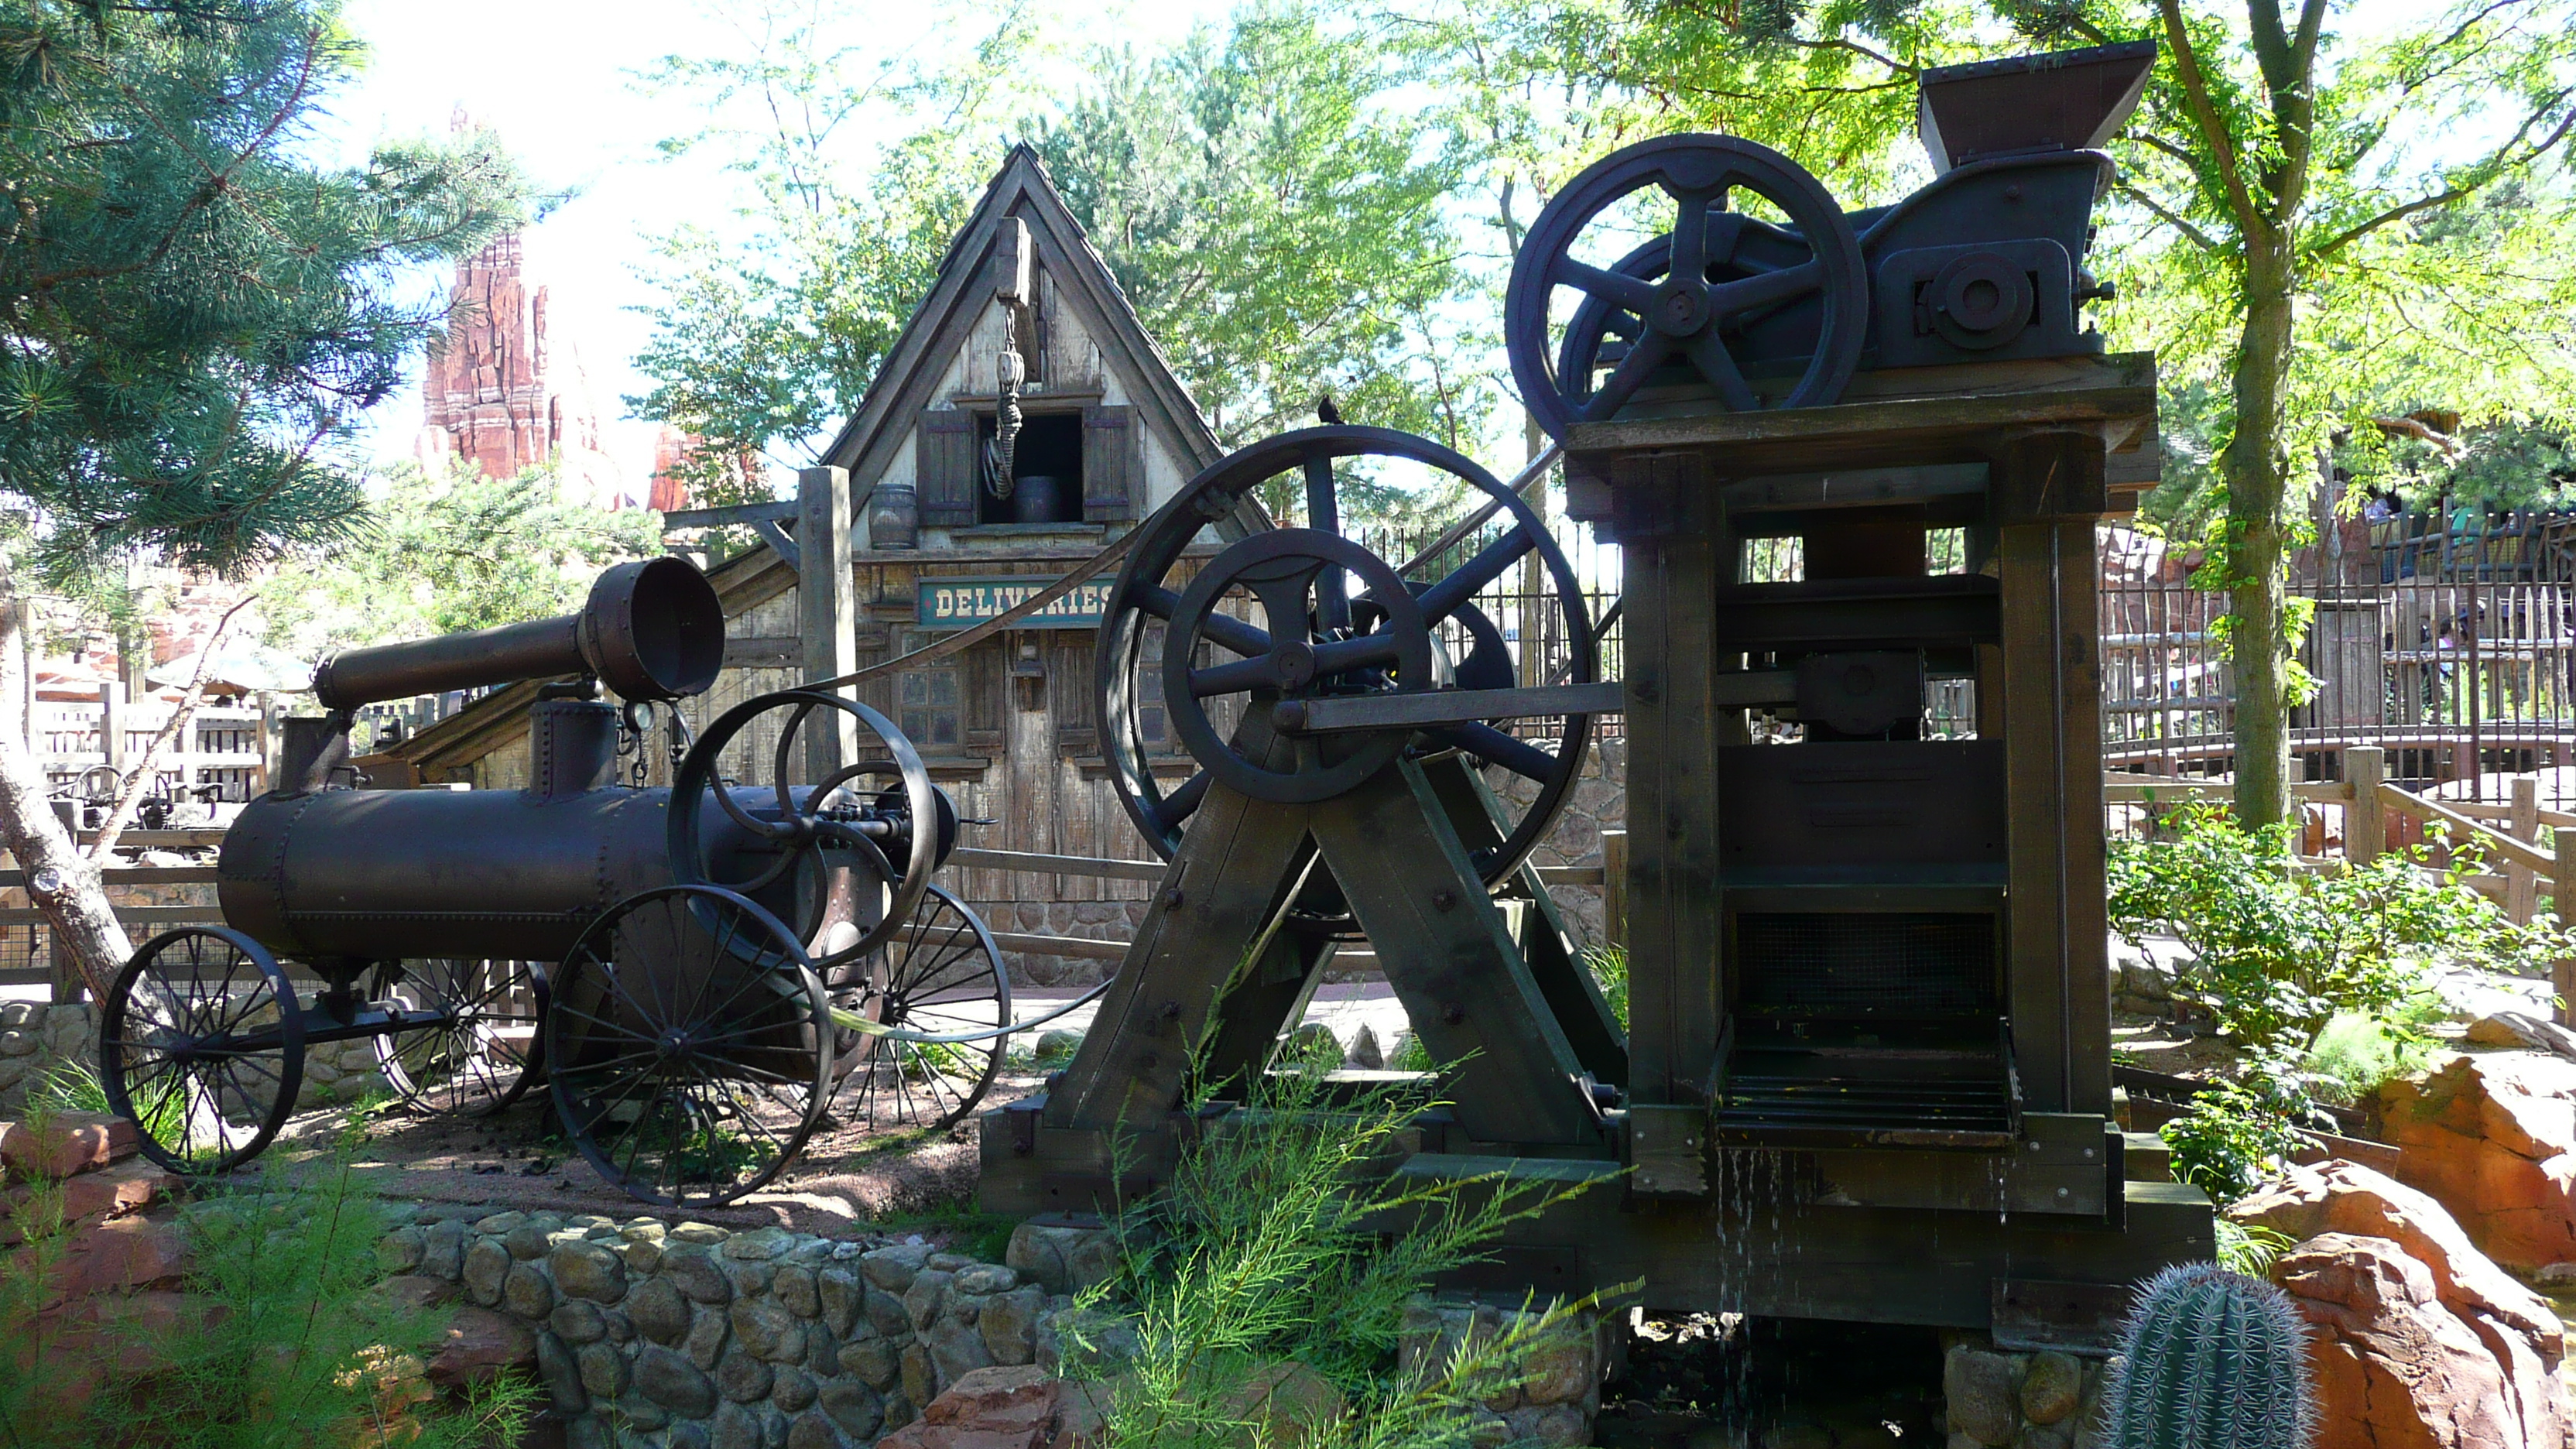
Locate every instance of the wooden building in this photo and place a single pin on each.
(1007, 726)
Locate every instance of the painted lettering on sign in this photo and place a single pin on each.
(954, 603)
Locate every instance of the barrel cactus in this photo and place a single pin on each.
(2210, 1360)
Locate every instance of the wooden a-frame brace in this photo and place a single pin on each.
(1220, 962)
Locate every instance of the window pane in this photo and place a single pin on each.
(943, 687)
(916, 689)
(943, 726)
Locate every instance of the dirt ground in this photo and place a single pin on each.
(848, 1179)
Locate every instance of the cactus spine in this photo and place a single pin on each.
(2210, 1360)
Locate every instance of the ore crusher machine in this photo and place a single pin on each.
(1854, 462)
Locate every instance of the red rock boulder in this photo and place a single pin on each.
(2493, 1137)
(989, 1408)
(64, 1143)
(2393, 1366)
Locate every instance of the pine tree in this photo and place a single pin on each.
(193, 310)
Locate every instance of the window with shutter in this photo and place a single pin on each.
(944, 462)
(1113, 463)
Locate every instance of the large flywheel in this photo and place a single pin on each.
(1297, 663)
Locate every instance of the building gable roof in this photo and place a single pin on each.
(907, 382)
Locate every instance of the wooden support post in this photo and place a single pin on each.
(2520, 880)
(2365, 828)
(2562, 898)
(825, 614)
(1677, 970)
(1614, 888)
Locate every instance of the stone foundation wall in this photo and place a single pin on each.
(698, 1337)
(1994, 1397)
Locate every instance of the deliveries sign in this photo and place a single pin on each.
(954, 603)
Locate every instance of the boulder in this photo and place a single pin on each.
(120, 1255)
(64, 1143)
(2392, 1364)
(478, 1344)
(2493, 1138)
(1286, 1404)
(2345, 1197)
(2518, 1029)
(991, 1408)
(1062, 1258)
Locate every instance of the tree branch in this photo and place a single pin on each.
(2213, 129)
(129, 795)
(2191, 233)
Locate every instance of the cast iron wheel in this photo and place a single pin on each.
(687, 1046)
(940, 976)
(842, 860)
(1379, 629)
(1693, 293)
(201, 1044)
(480, 1051)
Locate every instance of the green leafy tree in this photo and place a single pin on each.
(2307, 228)
(195, 311)
(1258, 192)
(438, 553)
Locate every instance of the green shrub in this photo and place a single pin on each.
(1281, 1237)
(300, 1351)
(2356, 1052)
(2237, 1134)
(2278, 951)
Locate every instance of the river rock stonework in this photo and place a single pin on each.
(692, 1336)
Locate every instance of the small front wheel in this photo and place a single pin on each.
(475, 1050)
(201, 1043)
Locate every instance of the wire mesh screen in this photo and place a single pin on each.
(1899, 964)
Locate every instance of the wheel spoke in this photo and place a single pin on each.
(1443, 598)
(1221, 629)
(1690, 235)
(1637, 296)
(1344, 655)
(1764, 289)
(1179, 805)
(1234, 678)
(1708, 353)
(1644, 356)
(1495, 747)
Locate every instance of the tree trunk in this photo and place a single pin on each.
(2258, 644)
(64, 884)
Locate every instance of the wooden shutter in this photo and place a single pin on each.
(944, 465)
(1113, 463)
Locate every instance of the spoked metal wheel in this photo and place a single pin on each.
(841, 860)
(202, 1045)
(939, 976)
(1759, 313)
(478, 1050)
(1334, 622)
(687, 1046)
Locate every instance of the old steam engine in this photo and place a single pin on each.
(667, 961)
(1854, 461)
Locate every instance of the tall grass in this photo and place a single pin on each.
(1282, 1236)
(281, 1341)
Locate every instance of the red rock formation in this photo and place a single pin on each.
(2419, 1330)
(2493, 1138)
(500, 395)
